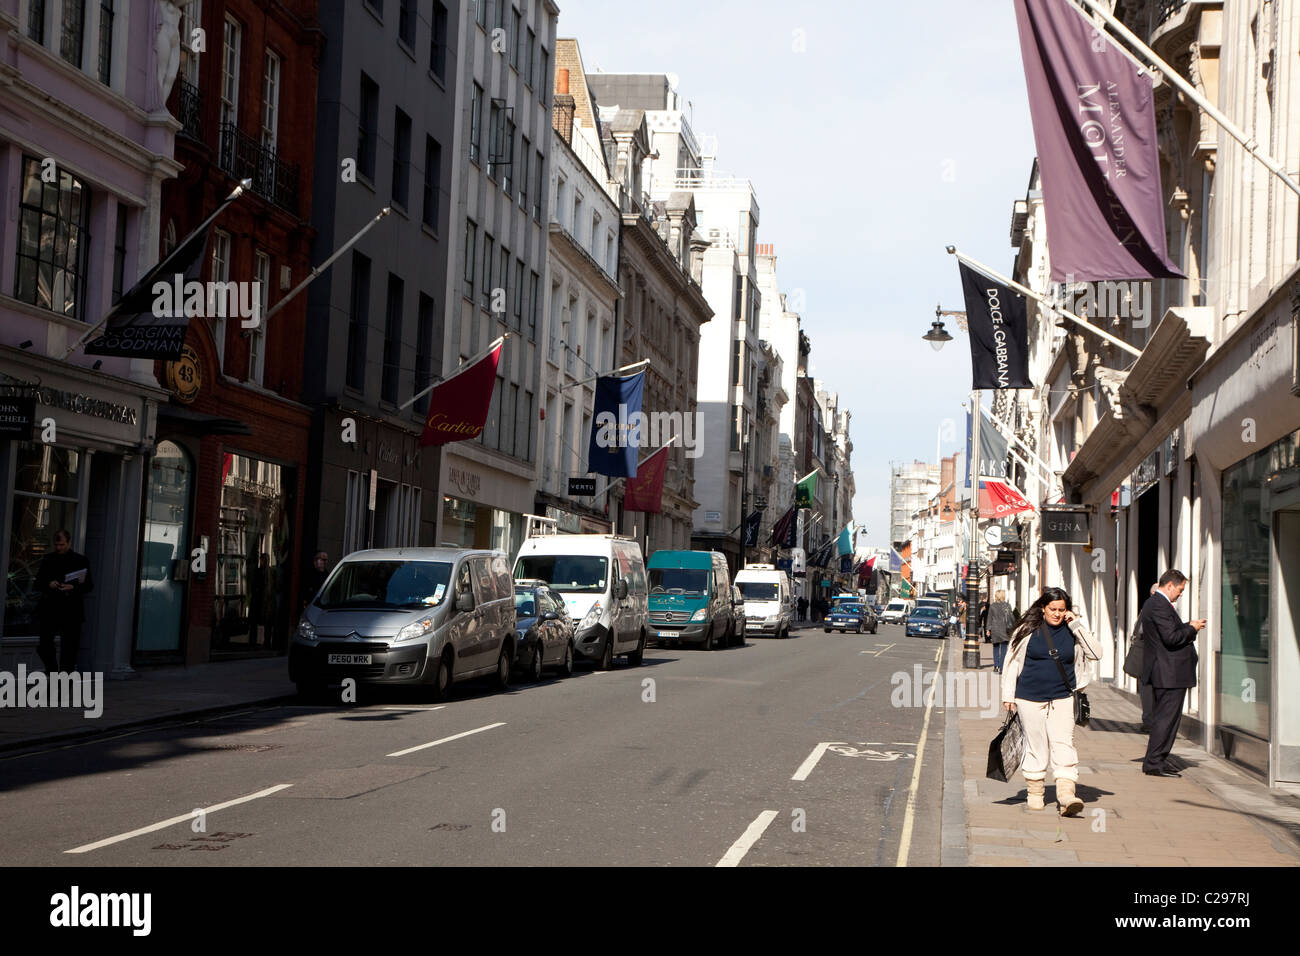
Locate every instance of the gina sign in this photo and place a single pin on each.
(1066, 525)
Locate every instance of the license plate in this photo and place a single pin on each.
(348, 659)
(670, 635)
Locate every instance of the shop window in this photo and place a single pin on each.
(47, 491)
(165, 548)
(52, 242)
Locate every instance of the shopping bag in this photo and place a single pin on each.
(1007, 750)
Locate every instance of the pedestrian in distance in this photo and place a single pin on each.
(984, 619)
(1168, 665)
(1049, 658)
(803, 609)
(314, 578)
(1000, 623)
(63, 580)
(1133, 668)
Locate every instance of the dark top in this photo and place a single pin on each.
(1041, 678)
(1168, 645)
(1001, 622)
(62, 605)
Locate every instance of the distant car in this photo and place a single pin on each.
(846, 615)
(544, 630)
(897, 611)
(926, 622)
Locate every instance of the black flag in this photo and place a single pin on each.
(751, 529)
(999, 332)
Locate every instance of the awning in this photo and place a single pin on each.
(202, 424)
(998, 500)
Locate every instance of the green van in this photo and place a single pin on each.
(691, 598)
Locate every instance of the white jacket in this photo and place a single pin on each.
(1015, 659)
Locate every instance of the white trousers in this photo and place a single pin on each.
(1049, 735)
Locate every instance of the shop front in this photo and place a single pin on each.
(79, 466)
(482, 506)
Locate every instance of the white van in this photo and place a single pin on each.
(769, 606)
(896, 611)
(602, 579)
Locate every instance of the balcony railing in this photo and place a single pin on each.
(1167, 8)
(189, 107)
(243, 157)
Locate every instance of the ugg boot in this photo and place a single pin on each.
(1036, 790)
(1068, 801)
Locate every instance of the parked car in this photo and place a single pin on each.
(896, 611)
(543, 630)
(850, 615)
(602, 579)
(768, 603)
(690, 598)
(424, 616)
(926, 622)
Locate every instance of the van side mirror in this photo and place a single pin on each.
(465, 602)
(621, 590)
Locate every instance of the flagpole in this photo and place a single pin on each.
(327, 263)
(1028, 451)
(1175, 79)
(970, 656)
(463, 366)
(1011, 283)
(243, 187)
(591, 378)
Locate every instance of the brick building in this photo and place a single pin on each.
(230, 465)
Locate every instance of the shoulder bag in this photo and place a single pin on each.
(1082, 710)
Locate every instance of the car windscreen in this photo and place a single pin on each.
(931, 612)
(689, 581)
(525, 604)
(896, 606)
(567, 573)
(844, 608)
(759, 591)
(386, 585)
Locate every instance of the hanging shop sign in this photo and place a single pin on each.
(1066, 524)
(16, 417)
(185, 376)
(582, 486)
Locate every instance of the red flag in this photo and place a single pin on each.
(998, 500)
(458, 407)
(645, 491)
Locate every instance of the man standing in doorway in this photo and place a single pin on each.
(63, 580)
(1168, 665)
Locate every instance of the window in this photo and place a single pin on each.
(230, 74)
(519, 294)
(537, 188)
(257, 334)
(73, 33)
(424, 352)
(358, 322)
(509, 419)
(533, 306)
(106, 12)
(271, 101)
(496, 132)
(220, 273)
(53, 243)
(503, 280)
(532, 57)
(738, 346)
(432, 181)
(36, 20)
(401, 158)
(517, 50)
(595, 233)
(560, 204)
(119, 254)
(480, 12)
(377, 6)
(525, 154)
(735, 427)
(191, 17)
(406, 22)
(611, 254)
(367, 127)
(543, 79)
(471, 246)
(524, 432)
(738, 298)
(507, 156)
(392, 340)
(501, 13)
(438, 41)
(489, 251)
(475, 122)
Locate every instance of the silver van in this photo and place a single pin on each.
(425, 616)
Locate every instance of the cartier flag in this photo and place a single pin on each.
(458, 407)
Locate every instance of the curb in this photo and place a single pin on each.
(952, 822)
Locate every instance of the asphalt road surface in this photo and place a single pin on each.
(775, 753)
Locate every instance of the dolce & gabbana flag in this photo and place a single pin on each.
(458, 407)
(999, 332)
(1095, 130)
(616, 426)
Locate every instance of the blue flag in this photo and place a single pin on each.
(616, 427)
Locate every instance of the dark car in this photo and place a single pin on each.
(544, 631)
(851, 616)
(926, 622)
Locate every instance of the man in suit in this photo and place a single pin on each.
(1168, 665)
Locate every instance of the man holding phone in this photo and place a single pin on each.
(1168, 665)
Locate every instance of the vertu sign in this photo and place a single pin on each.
(1066, 524)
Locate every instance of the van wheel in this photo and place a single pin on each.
(708, 640)
(566, 669)
(634, 659)
(535, 665)
(607, 655)
(442, 680)
(502, 678)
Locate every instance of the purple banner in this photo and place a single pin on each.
(1095, 131)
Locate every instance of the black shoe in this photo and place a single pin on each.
(1162, 773)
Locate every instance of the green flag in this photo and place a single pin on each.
(805, 489)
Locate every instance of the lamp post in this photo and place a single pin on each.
(938, 337)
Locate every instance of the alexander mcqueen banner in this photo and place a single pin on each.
(1095, 130)
(616, 426)
(999, 332)
(645, 491)
(137, 327)
(458, 407)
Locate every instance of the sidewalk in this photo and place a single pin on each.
(1215, 815)
(159, 693)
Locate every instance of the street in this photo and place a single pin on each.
(690, 759)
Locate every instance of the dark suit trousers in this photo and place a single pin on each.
(1166, 715)
(71, 632)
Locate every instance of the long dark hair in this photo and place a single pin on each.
(1034, 616)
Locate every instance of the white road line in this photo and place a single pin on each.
(180, 819)
(476, 730)
(806, 767)
(747, 839)
(397, 707)
(905, 842)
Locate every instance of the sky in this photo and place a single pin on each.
(875, 134)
